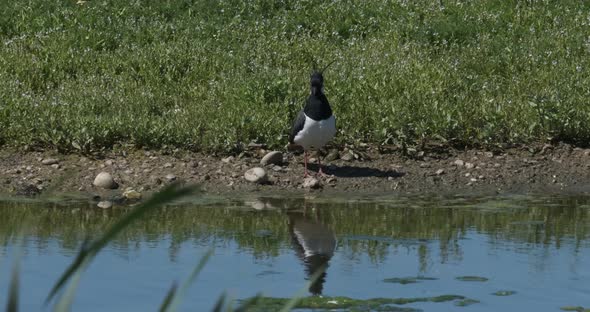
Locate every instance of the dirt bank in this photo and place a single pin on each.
(365, 170)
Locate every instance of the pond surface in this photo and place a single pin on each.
(525, 253)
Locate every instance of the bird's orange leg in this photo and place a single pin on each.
(305, 175)
(320, 172)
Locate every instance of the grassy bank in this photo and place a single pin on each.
(214, 75)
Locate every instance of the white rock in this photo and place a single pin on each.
(274, 158)
(311, 182)
(440, 171)
(256, 175)
(469, 165)
(49, 161)
(105, 204)
(459, 162)
(105, 180)
(170, 177)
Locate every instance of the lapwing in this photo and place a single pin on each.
(315, 125)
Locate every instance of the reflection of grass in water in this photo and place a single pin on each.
(503, 293)
(408, 280)
(470, 278)
(383, 228)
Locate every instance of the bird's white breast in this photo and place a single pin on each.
(316, 133)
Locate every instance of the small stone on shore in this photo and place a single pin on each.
(311, 183)
(256, 175)
(105, 180)
(49, 161)
(272, 158)
(459, 163)
(333, 155)
(170, 177)
(132, 194)
(469, 165)
(440, 172)
(168, 165)
(347, 157)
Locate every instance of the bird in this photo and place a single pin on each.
(315, 125)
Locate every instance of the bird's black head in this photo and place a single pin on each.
(317, 83)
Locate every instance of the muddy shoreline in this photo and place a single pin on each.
(539, 168)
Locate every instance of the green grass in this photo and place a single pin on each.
(215, 75)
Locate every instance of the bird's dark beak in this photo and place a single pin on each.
(316, 90)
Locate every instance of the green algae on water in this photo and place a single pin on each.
(408, 280)
(466, 302)
(376, 304)
(575, 308)
(469, 278)
(503, 293)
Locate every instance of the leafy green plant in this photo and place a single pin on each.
(214, 76)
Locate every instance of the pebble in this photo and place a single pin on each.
(55, 166)
(168, 165)
(49, 161)
(333, 155)
(228, 159)
(132, 194)
(105, 180)
(440, 172)
(459, 163)
(272, 158)
(469, 165)
(488, 154)
(256, 175)
(105, 204)
(277, 168)
(108, 162)
(170, 177)
(347, 157)
(311, 183)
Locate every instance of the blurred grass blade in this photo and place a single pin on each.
(293, 301)
(14, 287)
(169, 296)
(177, 296)
(220, 303)
(65, 302)
(88, 252)
(13, 290)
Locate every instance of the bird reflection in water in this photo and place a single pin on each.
(314, 244)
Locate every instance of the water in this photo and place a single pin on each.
(535, 246)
